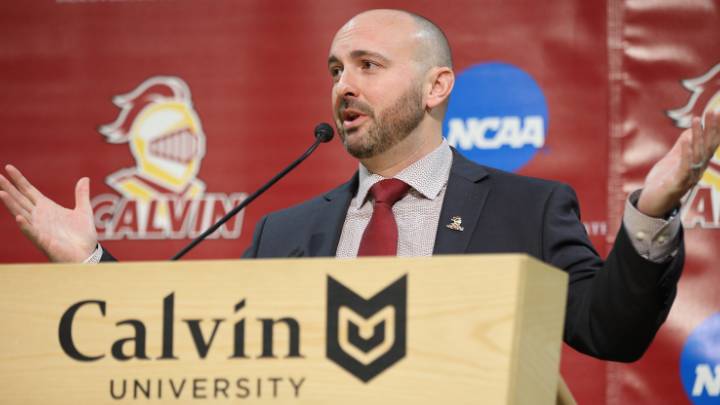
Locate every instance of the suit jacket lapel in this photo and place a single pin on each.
(325, 236)
(464, 197)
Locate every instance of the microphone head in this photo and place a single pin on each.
(324, 132)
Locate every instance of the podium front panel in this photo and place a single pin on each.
(455, 329)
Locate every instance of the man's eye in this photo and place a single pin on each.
(335, 71)
(366, 64)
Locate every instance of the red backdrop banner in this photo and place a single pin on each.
(178, 109)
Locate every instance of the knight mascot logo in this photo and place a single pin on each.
(161, 196)
(157, 119)
(703, 207)
(365, 337)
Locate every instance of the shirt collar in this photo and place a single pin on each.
(427, 176)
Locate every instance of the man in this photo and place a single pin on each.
(413, 195)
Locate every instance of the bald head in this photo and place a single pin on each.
(434, 46)
(431, 45)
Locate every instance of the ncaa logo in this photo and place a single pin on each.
(366, 336)
(497, 116)
(700, 363)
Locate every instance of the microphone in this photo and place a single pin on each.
(323, 133)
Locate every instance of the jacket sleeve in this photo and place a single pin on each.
(615, 307)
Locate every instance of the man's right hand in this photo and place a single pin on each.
(64, 235)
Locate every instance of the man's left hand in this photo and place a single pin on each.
(678, 171)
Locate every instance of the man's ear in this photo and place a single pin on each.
(441, 80)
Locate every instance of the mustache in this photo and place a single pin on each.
(356, 105)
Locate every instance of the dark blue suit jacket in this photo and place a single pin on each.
(614, 307)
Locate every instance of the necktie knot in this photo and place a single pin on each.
(389, 191)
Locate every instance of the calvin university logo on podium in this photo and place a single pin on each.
(366, 336)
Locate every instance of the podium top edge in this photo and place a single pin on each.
(522, 258)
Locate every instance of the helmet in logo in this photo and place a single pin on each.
(165, 136)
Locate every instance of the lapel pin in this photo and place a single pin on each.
(455, 224)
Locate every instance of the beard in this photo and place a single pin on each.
(387, 128)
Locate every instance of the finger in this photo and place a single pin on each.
(712, 129)
(686, 152)
(698, 149)
(82, 195)
(16, 195)
(25, 187)
(12, 206)
(698, 162)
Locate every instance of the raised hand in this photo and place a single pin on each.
(64, 235)
(681, 168)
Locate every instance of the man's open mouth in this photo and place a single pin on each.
(352, 118)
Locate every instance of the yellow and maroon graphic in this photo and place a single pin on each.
(703, 206)
(161, 197)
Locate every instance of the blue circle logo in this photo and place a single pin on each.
(497, 116)
(700, 363)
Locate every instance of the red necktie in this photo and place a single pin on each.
(381, 235)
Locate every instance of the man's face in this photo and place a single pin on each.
(377, 88)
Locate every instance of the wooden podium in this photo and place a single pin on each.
(442, 330)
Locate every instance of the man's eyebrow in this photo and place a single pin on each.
(360, 53)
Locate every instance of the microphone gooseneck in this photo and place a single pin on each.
(323, 133)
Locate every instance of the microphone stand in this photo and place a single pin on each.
(322, 136)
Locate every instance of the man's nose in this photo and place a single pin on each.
(346, 86)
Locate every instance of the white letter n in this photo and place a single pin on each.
(704, 379)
